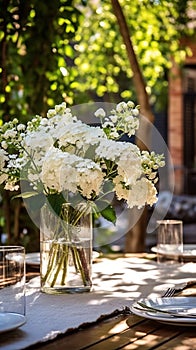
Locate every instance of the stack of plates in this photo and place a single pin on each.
(176, 311)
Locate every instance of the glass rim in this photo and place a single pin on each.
(12, 247)
(169, 221)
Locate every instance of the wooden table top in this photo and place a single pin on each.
(125, 331)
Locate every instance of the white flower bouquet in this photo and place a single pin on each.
(59, 154)
(64, 160)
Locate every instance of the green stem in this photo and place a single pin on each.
(52, 254)
(79, 261)
(65, 263)
(84, 264)
(79, 265)
(58, 268)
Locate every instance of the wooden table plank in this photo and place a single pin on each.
(185, 341)
(129, 336)
(154, 339)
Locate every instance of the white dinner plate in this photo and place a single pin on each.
(189, 251)
(34, 258)
(10, 321)
(169, 304)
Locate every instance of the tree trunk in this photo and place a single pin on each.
(138, 79)
(135, 238)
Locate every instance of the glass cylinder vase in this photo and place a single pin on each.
(66, 250)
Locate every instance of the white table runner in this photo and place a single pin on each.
(116, 284)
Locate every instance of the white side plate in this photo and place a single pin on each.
(189, 251)
(10, 321)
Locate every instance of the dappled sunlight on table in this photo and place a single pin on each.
(135, 277)
(130, 278)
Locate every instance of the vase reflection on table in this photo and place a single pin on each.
(66, 249)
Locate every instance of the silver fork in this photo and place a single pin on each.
(169, 293)
(178, 288)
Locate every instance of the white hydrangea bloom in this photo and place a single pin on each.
(152, 193)
(143, 191)
(110, 149)
(140, 193)
(63, 171)
(38, 140)
(51, 169)
(80, 135)
(90, 178)
(129, 166)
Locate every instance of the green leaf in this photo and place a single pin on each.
(26, 195)
(101, 204)
(56, 201)
(109, 214)
(32, 199)
(35, 201)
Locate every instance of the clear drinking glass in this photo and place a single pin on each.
(169, 241)
(12, 287)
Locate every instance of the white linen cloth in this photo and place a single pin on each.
(116, 284)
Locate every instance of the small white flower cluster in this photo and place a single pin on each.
(60, 153)
(123, 120)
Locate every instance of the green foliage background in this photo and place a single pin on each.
(155, 28)
(35, 48)
(72, 50)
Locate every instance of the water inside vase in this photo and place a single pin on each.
(66, 266)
